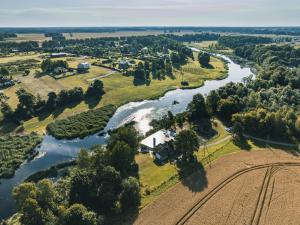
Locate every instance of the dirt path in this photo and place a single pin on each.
(176, 202)
(103, 76)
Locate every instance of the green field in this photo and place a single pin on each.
(119, 89)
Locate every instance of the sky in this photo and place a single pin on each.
(74, 13)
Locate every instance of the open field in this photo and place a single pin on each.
(20, 56)
(39, 37)
(119, 89)
(236, 198)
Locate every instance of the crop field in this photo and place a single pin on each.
(256, 187)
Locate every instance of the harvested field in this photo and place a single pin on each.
(259, 187)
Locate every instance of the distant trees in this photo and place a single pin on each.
(237, 41)
(204, 59)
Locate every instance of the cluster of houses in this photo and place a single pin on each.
(159, 144)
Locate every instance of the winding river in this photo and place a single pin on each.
(53, 151)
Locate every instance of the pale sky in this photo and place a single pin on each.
(149, 13)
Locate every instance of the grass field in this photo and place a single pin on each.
(119, 89)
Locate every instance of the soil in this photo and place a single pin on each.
(260, 195)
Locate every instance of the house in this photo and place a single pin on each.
(83, 67)
(123, 64)
(60, 70)
(157, 139)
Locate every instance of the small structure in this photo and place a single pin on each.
(83, 67)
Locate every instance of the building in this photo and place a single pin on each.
(83, 67)
(158, 144)
(60, 70)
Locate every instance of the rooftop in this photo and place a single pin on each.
(161, 137)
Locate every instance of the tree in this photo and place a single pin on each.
(4, 72)
(204, 59)
(36, 202)
(186, 142)
(130, 196)
(26, 100)
(126, 134)
(95, 89)
(237, 130)
(197, 108)
(212, 101)
(52, 100)
(78, 214)
(122, 157)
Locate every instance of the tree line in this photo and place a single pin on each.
(238, 41)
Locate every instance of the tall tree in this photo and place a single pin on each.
(204, 59)
(186, 142)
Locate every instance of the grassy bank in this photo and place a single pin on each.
(82, 124)
(14, 150)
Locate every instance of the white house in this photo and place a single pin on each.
(159, 138)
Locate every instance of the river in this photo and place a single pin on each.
(53, 151)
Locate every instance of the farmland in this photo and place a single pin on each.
(180, 199)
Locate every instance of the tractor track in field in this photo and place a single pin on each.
(271, 169)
